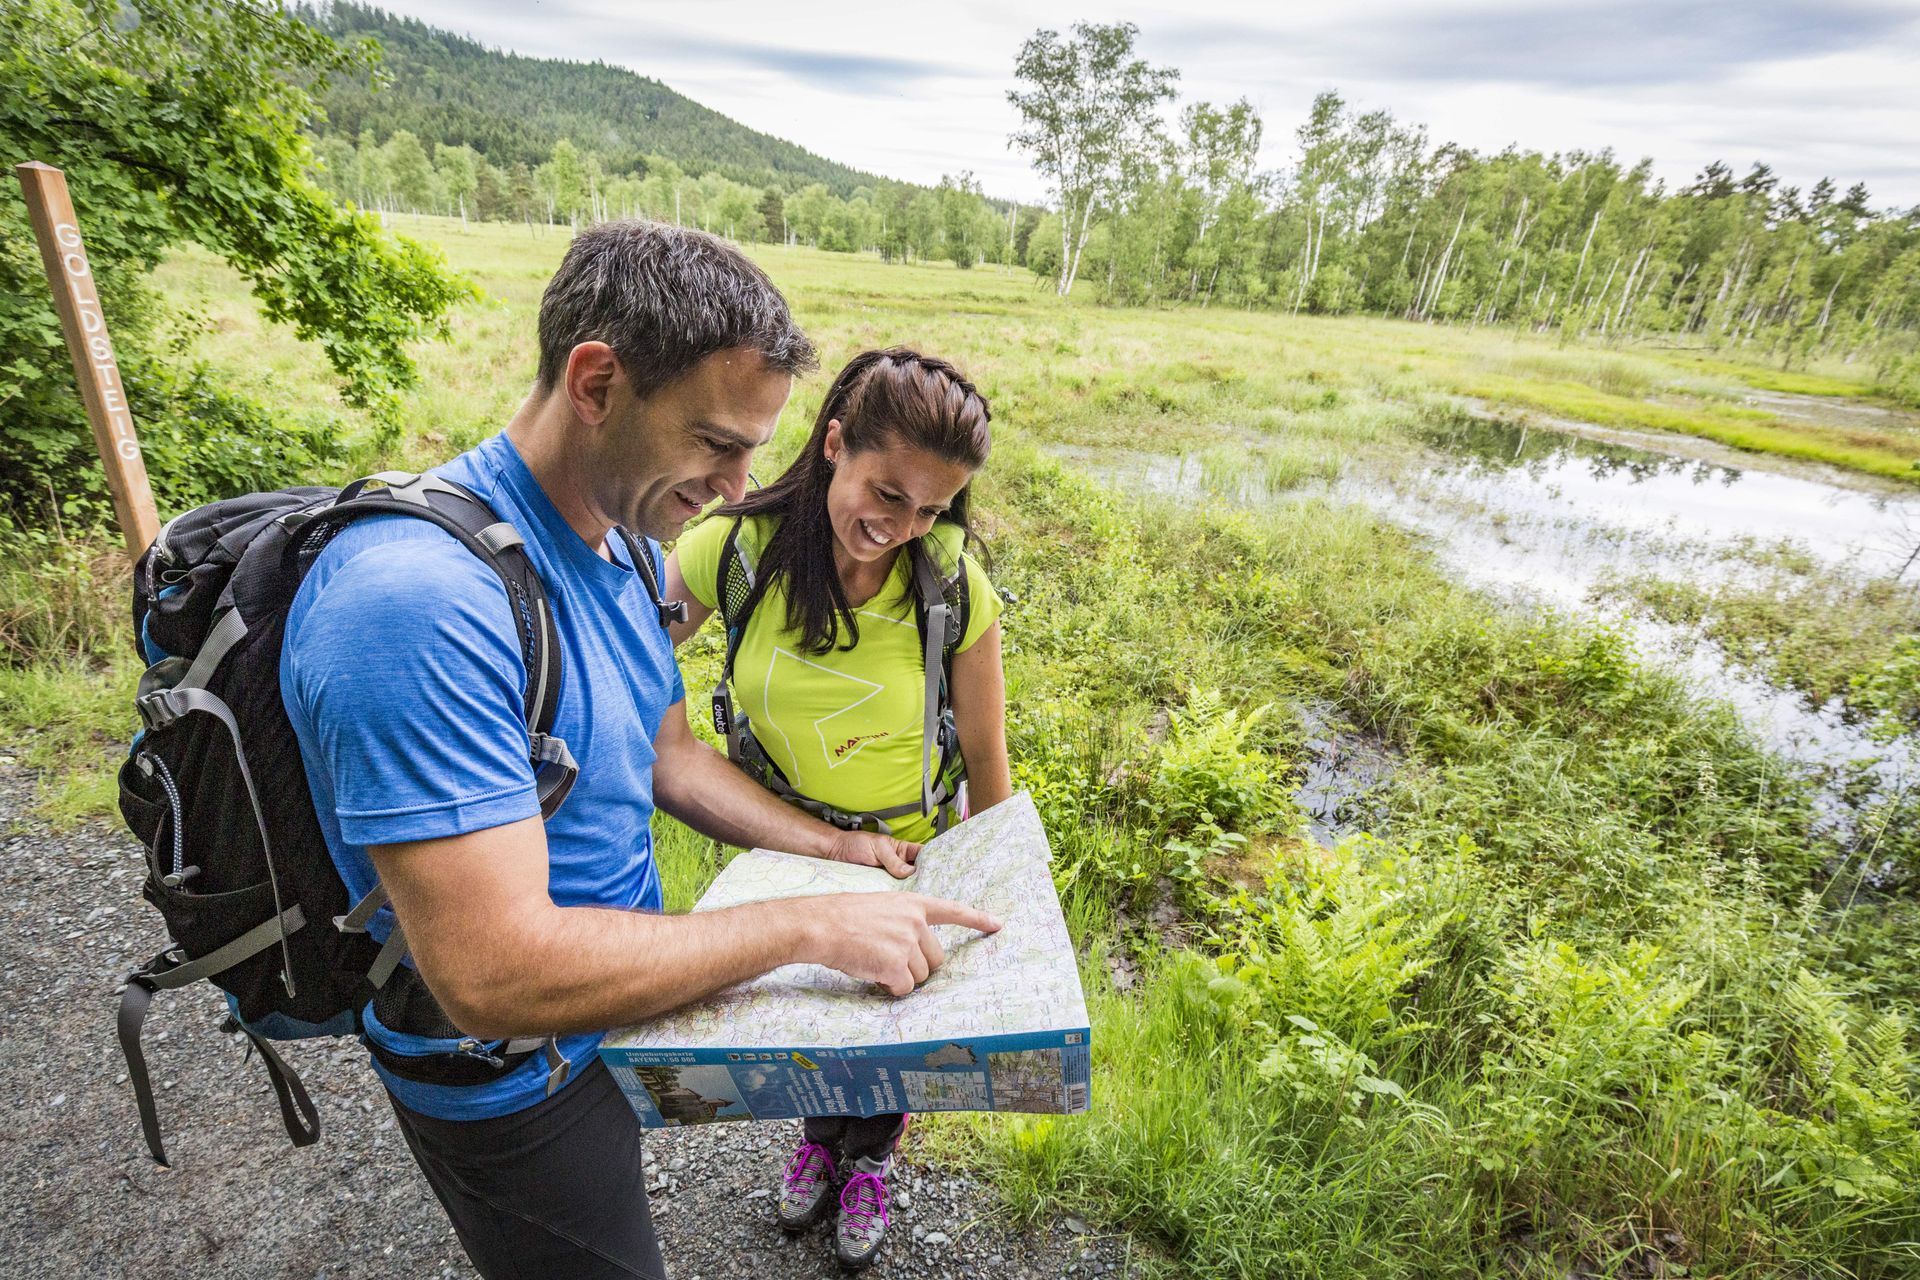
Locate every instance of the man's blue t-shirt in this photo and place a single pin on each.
(404, 681)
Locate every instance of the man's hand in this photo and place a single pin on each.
(872, 849)
(887, 937)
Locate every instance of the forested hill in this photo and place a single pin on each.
(510, 108)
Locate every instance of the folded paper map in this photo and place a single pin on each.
(1001, 1026)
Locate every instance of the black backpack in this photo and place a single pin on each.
(214, 786)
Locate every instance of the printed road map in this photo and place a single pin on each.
(1002, 1025)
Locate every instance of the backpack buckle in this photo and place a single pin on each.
(156, 709)
(672, 611)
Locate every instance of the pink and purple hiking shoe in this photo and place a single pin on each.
(808, 1186)
(862, 1227)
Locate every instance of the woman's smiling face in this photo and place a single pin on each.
(881, 498)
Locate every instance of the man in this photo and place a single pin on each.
(665, 360)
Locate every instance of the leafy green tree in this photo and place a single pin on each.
(178, 121)
(922, 224)
(773, 213)
(1024, 227)
(458, 169)
(563, 181)
(334, 168)
(960, 208)
(492, 201)
(1043, 248)
(1086, 109)
(850, 225)
(409, 170)
(809, 210)
(372, 179)
(523, 196)
(737, 211)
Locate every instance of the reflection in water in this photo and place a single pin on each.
(1508, 446)
(1543, 516)
(1525, 473)
(1344, 777)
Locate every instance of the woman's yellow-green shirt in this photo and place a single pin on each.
(845, 726)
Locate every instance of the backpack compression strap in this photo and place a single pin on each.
(297, 1112)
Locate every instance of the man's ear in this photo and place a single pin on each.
(592, 371)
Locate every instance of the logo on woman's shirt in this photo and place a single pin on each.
(840, 752)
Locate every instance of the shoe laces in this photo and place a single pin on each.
(864, 1196)
(808, 1164)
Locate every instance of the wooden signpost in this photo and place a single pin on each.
(85, 326)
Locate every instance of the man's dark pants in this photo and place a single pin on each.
(554, 1190)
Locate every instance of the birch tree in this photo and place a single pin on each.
(1087, 103)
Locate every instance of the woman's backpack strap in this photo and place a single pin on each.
(734, 599)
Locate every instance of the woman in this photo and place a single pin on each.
(863, 669)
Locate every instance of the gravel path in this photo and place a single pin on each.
(80, 1197)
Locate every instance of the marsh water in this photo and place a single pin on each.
(1547, 514)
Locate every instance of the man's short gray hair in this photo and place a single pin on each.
(664, 298)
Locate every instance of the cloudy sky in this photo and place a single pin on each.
(1813, 87)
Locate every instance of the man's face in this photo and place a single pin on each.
(661, 459)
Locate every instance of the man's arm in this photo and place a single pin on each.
(703, 789)
(504, 961)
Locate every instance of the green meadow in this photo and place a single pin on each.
(1602, 990)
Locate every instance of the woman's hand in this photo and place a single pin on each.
(872, 849)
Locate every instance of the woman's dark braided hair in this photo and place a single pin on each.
(881, 398)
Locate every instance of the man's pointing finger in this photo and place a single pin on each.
(946, 911)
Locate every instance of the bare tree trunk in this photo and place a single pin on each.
(1626, 289)
(1086, 217)
(1583, 252)
(1306, 255)
(1674, 301)
(1727, 327)
(1420, 290)
(1826, 308)
(1319, 244)
(1446, 259)
(1585, 301)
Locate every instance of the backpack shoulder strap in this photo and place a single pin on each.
(734, 598)
(938, 636)
(934, 586)
(496, 542)
(734, 592)
(668, 611)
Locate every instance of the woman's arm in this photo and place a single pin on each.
(980, 714)
(676, 589)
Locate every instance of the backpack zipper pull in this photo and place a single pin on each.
(474, 1049)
